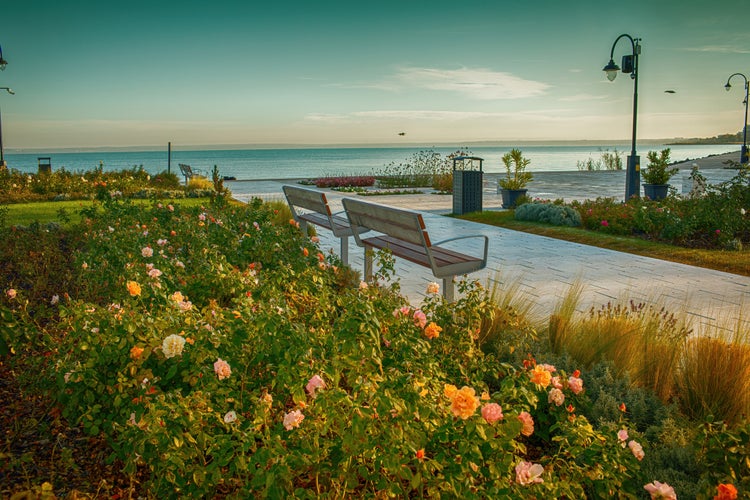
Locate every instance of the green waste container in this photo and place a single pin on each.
(45, 165)
(467, 184)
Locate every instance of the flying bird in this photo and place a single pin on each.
(669, 91)
(402, 133)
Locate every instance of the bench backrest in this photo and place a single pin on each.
(186, 170)
(308, 199)
(405, 225)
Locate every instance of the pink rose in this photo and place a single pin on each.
(575, 384)
(660, 490)
(222, 369)
(147, 252)
(492, 413)
(403, 311)
(528, 473)
(622, 435)
(556, 396)
(528, 423)
(419, 318)
(293, 419)
(11, 293)
(314, 384)
(637, 449)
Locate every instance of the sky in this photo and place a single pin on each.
(92, 74)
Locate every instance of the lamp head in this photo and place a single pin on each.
(611, 69)
(727, 87)
(10, 91)
(3, 62)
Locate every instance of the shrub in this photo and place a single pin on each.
(609, 160)
(345, 181)
(423, 169)
(550, 213)
(60, 184)
(200, 183)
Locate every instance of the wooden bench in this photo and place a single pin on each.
(403, 232)
(188, 172)
(316, 211)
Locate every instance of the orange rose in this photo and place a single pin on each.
(432, 331)
(726, 492)
(135, 352)
(134, 289)
(464, 402)
(540, 376)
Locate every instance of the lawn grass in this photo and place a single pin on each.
(735, 262)
(68, 212)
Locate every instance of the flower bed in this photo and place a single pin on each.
(222, 354)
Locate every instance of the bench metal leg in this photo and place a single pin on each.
(345, 250)
(448, 288)
(368, 264)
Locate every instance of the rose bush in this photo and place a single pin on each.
(254, 365)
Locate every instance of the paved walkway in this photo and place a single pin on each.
(546, 268)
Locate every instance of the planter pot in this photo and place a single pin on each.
(511, 196)
(656, 191)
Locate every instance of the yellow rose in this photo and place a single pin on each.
(449, 390)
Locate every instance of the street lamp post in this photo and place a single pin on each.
(2, 158)
(3, 64)
(629, 65)
(744, 152)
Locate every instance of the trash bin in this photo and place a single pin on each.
(45, 165)
(467, 184)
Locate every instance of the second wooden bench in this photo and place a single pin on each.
(316, 211)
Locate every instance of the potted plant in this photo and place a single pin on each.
(657, 174)
(513, 184)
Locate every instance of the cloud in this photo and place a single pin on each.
(723, 49)
(474, 83)
(430, 116)
(582, 97)
(478, 83)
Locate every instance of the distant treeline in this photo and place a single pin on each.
(719, 139)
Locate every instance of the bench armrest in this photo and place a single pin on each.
(486, 242)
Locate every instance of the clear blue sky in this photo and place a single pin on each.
(97, 73)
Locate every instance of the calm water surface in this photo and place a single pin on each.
(255, 164)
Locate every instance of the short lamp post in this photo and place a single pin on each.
(629, 65)
(744, 152)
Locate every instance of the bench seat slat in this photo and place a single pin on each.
(340, 224)
(445, 259)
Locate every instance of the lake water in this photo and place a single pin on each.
(256, 164)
